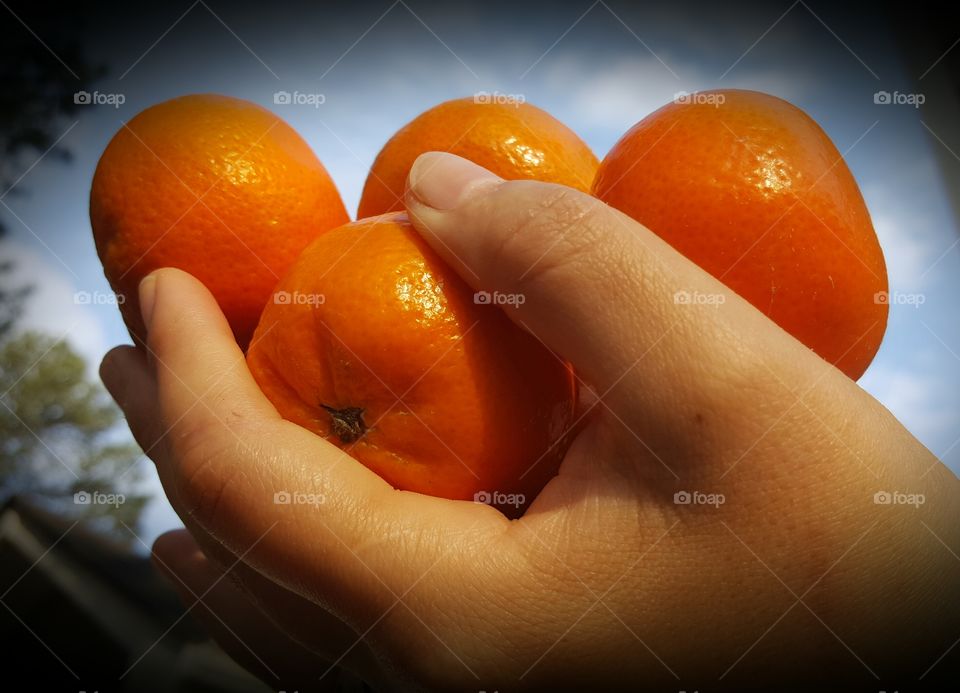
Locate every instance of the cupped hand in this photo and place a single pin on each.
(716, 522)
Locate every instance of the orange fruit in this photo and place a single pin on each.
(375, 344)
(750, 188)
(216, 186)
(514, 140)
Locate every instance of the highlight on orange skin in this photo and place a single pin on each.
(216, 186)
(515, 140)
(750, 188)
(378, 346)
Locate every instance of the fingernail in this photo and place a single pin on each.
(442, 180)
(148, 292)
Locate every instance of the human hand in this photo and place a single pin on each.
(798, 576)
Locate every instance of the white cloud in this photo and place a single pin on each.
(619, 94)
(615, 97)
(908, 254)
(915, 373)
(911, 233)
(52, 307)
(919, 402)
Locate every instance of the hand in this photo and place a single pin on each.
(783, 570)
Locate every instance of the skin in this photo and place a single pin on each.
(799, 577)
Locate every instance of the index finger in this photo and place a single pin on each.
(296, 508)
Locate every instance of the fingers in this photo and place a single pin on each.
(591, 283)
(300, 619)
(209, 410)
(187, 308)
(284, 501)
(240, 628)
(601, 291)
(129, 380)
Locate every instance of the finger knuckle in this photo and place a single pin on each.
(203, 473)
(163, 339)
(560, 233)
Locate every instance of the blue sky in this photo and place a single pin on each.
(597, 67)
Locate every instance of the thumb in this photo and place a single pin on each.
(599, 289)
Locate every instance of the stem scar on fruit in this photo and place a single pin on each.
(348, 424)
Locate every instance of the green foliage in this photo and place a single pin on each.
(60, 434)
(11, 301)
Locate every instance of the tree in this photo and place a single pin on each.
(11, 301)
(42, 67)
(60, 435)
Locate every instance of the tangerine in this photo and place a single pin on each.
(216, 186)
(750, 188)
(515, 140)
(378, 346)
